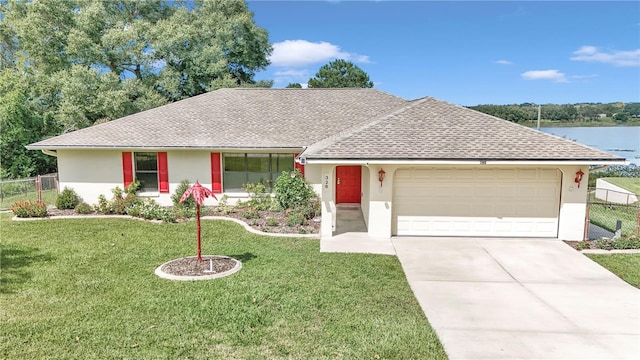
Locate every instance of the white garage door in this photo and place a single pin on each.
(477, 202)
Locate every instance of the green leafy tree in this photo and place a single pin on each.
(340, 74)
(293, 86)
(21, 124)
(79, 62)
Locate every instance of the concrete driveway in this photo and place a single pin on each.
(520, 299)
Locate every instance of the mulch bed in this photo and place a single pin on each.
(574, 244)
(190, 266)
(312, 227)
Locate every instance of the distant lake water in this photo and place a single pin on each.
(623, 141)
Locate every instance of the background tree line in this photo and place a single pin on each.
(69, 64)
(568, 113)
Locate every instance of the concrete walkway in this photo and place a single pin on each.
(520, 299)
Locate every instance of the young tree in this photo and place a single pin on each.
(293, 86)
(340, 74)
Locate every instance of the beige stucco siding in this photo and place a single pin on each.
(90, 172)
(378, 210)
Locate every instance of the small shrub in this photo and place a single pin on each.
(186, 213)
(223, 206)
(259, 198)
(251, 214)
(624, 243)
(102, 207)
(309, 209)
(117, 192)
(582, 245)
(121, 206)
(188, 203)
(292, 190)
(295, 219)
(132, 188)
(150, 210)
(83, 208)
(604, 244)
(28, 209)
(271, 221)
(67, 199)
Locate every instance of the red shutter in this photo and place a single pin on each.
(127, 168)
(297, 165)
(216, 173)
(163, 172)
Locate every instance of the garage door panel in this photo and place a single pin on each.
(477, 202)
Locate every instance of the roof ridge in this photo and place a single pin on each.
(330, 140)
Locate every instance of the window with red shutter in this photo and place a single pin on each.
(216, 173)
(127, 168)
(163, 172)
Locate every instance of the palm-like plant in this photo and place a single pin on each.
(199, 193)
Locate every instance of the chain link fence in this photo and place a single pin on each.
(609, 211)
(42, 188)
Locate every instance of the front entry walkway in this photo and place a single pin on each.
(351, 234)
(520, 299)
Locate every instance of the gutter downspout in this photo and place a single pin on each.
(50, 152)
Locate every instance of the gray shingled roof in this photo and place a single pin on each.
(430, 129)
(236, 118)
(332, 123)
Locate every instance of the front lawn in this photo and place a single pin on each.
(85, 289)
(626, 266)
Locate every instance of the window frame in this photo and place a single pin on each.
(273, 159)
(137, 171)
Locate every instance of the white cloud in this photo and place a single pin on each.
(503, 62)
(300, 53)
(616, 58)
(584, 76)
(553, 75)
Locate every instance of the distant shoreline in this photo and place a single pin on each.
(549, 124)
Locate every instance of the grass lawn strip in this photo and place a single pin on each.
(626, 266)
(86, 289)
(629, 184)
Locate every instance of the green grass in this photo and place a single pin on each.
(626, 266)
(630, 184)
(48, 197)
(85, 289)
(607, 215)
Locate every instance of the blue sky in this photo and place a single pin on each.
(466, 53)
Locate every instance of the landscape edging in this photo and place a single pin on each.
(240, 222)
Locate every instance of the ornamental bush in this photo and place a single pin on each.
(292, 190)
(67, 199)
(83, 208)
(27, 209)
(188, 203)
(259, 198)
(151, 210)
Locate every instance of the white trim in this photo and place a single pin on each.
(148, 194)
(467, 162)
(286, 150)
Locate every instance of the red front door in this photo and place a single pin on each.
(348, 184)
